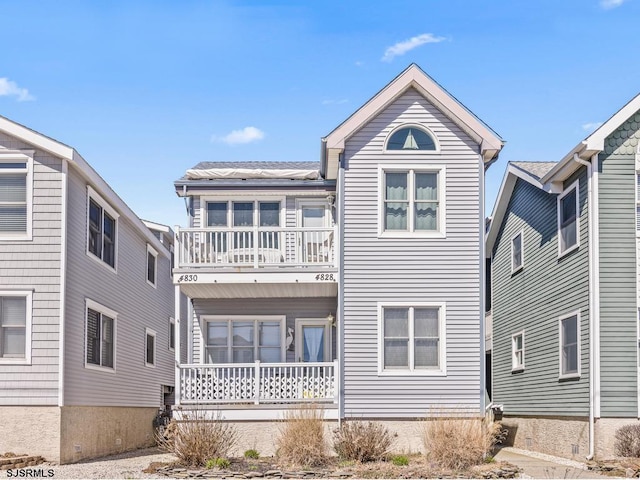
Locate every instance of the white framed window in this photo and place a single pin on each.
(517, 351)
(100, 336)
(15, 326)
(412, 201)
(16, 197)
(570, 345)
(152, 266)
(517, 252)
(244, 339)
(569, 219)
(172, 334)
(638, 197)
(102, 229)
(411, 139)
(149, 347)
(412, 339)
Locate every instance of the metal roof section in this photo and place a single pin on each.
(412, 77)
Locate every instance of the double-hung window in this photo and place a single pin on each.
(15, 327)
(102, 225)
(244, 339)
(149, 347)
(570, 346)
(172, 334)
(412, 339)
(568, 219)
(15, 197)
(517, 351)
(100, 336)
(412, 201)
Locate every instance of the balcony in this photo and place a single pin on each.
(258, 383)
(256, 262)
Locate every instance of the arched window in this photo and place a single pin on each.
(410, 138)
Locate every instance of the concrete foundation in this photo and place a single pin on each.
(31, 430)
(89, 432)
(605, 435)
(566, 437)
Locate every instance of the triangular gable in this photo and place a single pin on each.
(412, 77)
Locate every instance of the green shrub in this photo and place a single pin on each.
(252, 453)
(362, 441)
(221, 463)
(627, 441)
(400, 460)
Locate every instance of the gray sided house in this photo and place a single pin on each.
(354, 282)
(563, 244)
(86, 307)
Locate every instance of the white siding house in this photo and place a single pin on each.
(355, 282)
(76, 307)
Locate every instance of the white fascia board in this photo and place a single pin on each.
(595, 141)
(502, 201)
(111, 197)
(158, 226)
(414, 77)
(36, 139)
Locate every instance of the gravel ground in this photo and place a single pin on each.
(124, 465)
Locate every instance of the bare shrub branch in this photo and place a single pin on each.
(627, 441)
(362, 441)
(301, 440)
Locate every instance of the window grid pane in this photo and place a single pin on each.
(569, 333)
(93, 337)
(150, 351)
(151, 267)
(568, 220)
(217, 214)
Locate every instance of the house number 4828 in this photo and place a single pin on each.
(325, 277)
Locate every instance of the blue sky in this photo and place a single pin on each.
(145, 90)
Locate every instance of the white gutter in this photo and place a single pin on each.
(63, 278)
(592, 294)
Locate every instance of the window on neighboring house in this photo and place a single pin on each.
(570, 346)
(172, 334)
(102, 230)
(638, 203)
(15, 198)
(244, 340)
(517, 351)
(15, 327)
(412, 339)
(149, 347)
(517, 260)
(100, 336)
(411, 201)
(409, 139)
(152, 265)
(568, 220)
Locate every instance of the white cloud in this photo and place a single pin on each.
(401, 48)
(359, 63)
(237, 137)
(335, 102)
(591, 126)
(11, 89)
(609, 4)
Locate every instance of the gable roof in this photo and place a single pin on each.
(75, 160)
(536, 169)
(412, 77)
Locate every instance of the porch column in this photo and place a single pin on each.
(177, 389)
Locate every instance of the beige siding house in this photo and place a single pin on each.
(86, 307)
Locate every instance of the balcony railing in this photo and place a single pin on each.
(258, 383)
(255, 246)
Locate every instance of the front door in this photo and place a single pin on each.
(313, 242)
(313, 340)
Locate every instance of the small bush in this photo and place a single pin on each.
(301, 440)
(458, 443)
(252, 453)
(221, 463)
(400, 460)
(196, 440)
(627, 441)
(360, 441)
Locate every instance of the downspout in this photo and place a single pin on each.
(340, 339)
(63, 279)
(592, 310)
(483, 287)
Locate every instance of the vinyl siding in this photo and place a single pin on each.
(292, 308)
(35, 265)
(137, 304)
(412, 270)
(618, 275)
(534, 299)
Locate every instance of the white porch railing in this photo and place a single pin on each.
(258, 383)
(255, 246)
